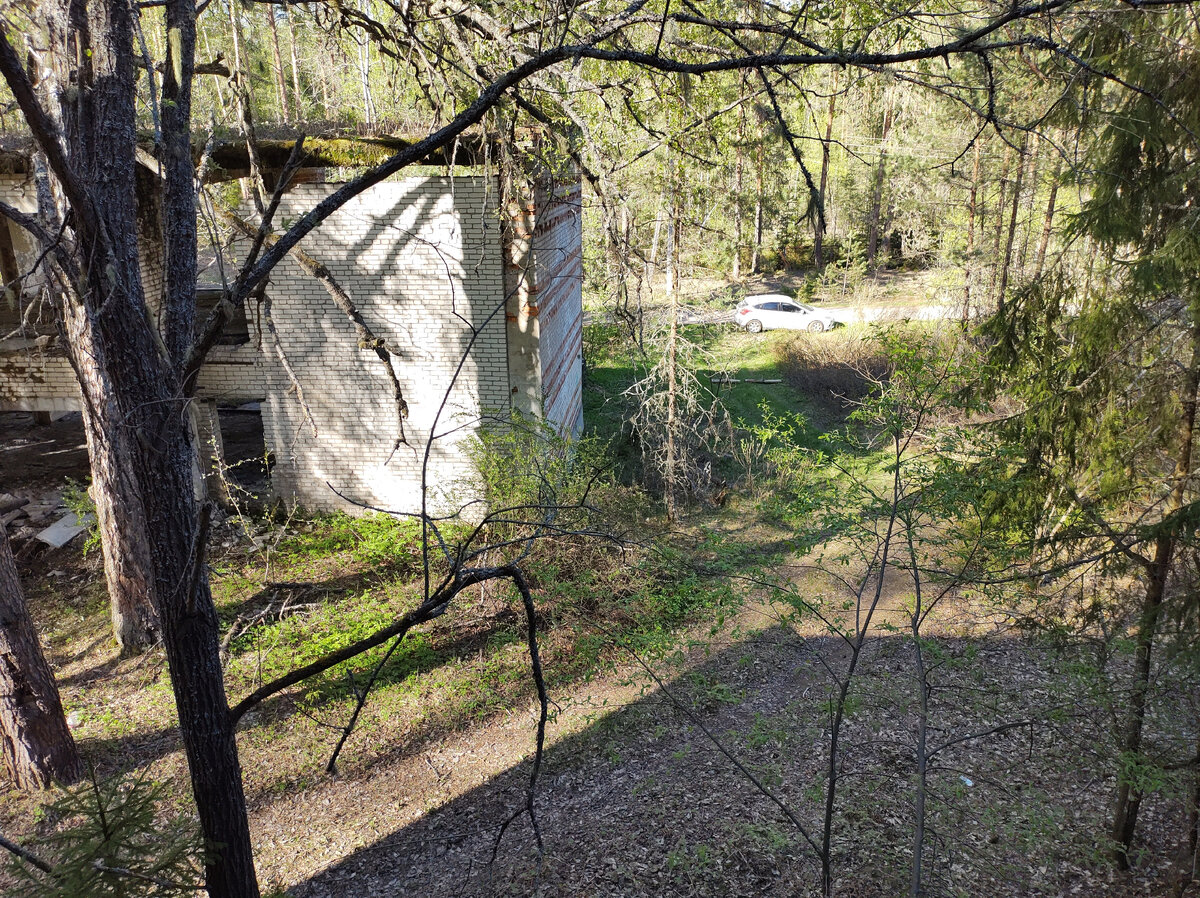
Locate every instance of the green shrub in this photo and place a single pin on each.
(527, 470)
(112, 840)
(76, 497)
(376, 539)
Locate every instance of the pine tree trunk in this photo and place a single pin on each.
(235, 28)
(738, 185)
(674, 214)
(124, 540)
(999, 229)
(280, 84)
(1129, 797)
(677, 240)
(218, 82)
(876, 209)
(669, 471)
(1006, 263)
(654, 241)
(1031, 192)
(971, 209)
(364, 78)
(670, 267)
(133, 390)
(140, 392)
(1047, 223)
(758, 214)
(35, 742)
(821, 222)
(297, 95)
(325, 102)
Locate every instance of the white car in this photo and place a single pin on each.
(775, 310)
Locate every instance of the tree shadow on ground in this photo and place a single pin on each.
(326, 697)
(600, 792)
(468, 632)
(642, 802)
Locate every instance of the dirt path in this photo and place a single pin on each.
(635, 799)
(39, 457)
(616, 801)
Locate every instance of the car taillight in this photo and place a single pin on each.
(743, 311)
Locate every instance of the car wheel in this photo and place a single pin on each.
(754, 326)
(816, 327)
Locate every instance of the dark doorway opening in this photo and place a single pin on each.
(247, 463)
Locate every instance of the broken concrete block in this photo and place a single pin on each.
(65, 529)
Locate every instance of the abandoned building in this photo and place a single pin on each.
(477, 296)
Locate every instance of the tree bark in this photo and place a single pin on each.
(280, 84)
(35, 742)
(296, 93)
(134, 396)
(669, 470)
(876, 209)
(674, 214)
(1031, 180)
(758, 213)
(1006, 263)
(738, 183)
(364, 78)
(1048, 222)
(1129, 797)
(124, 540)
(999, 230)
(972, 205)
(820, 226)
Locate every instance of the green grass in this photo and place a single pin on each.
(784, 432)
(466, 666)
(721, 351)
(371, 539)
(739, 355)
(724, 350)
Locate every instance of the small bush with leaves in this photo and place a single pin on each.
(526, 468)
(76, 497)
(112, 840)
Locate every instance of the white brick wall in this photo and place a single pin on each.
(32, 380)
(423, 261)
(420, 258)
(544, 280)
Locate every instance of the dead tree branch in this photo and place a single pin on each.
(24, 854)
(433, 606)
(535, 661)
(367, 339)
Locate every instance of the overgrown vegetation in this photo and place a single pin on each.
(107, 838)
(914, 608)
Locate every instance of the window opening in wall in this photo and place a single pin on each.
(9, 269)
(247, 464)
(17, 293)
(237, 329)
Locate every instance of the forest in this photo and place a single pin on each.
(905, 602)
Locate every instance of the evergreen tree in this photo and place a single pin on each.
(1108, 372)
